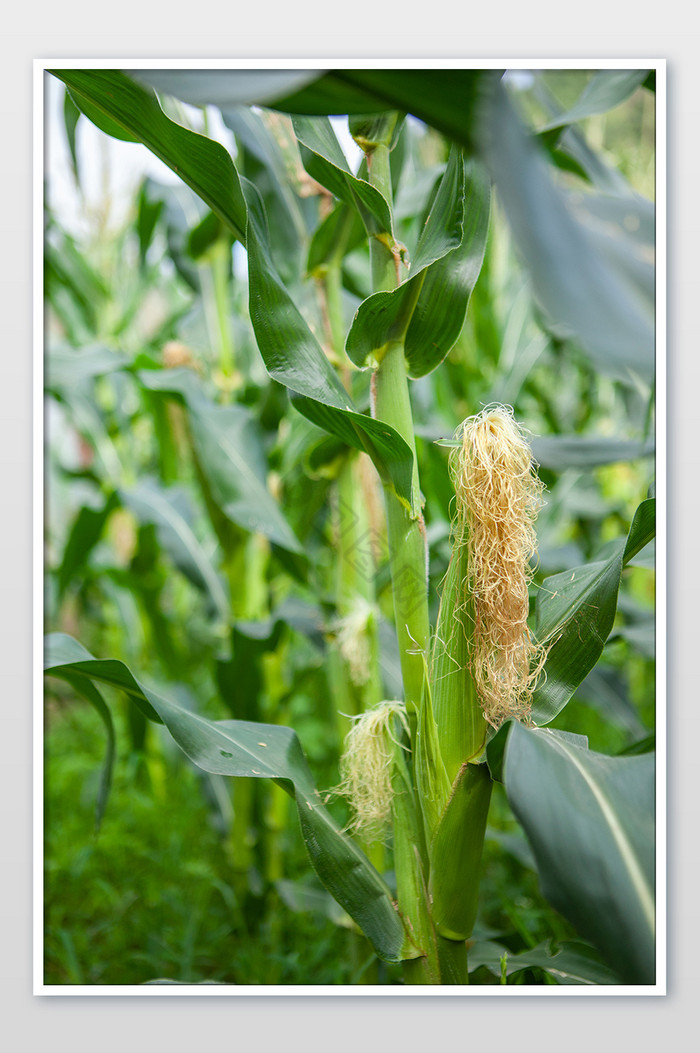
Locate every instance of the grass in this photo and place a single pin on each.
(151, 895)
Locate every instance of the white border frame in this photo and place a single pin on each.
(41, 66)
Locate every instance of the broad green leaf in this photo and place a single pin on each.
(575, 614)
(572, 962)
(325, 162)
(590, 821)
(605, 90)
(230, 452)
(580, 275)
(293, 356)
(200, 162)
(169, 510)
(444, 98)
(244, 749)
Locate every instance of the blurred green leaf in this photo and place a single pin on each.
(230, 451)
(559, 452)
(573, 265)
(605, 90)
(170, 511)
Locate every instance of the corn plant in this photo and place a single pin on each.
(508, 647)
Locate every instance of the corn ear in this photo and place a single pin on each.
(455, 853)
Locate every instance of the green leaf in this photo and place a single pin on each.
(85, 532)
(445, 98)
(605, 90)
(293, 356)
(572, 962)
(576, 610)
(341, 231)
(439, 315)
(230, 452)
(430, 305)
(325, 162)
(169, 510)
(109, 99)
(590, 821)
(243, 749)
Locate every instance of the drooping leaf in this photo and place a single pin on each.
(444, 98)
(243, 749)
(590, 821)
(109, 98)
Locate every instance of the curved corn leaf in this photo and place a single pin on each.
(293, 356)
(590, 821)
(244, 749)
(575, 613)
(325, 162)
(430, 305)
(108, 97)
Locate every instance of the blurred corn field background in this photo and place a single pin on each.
(217, 549)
